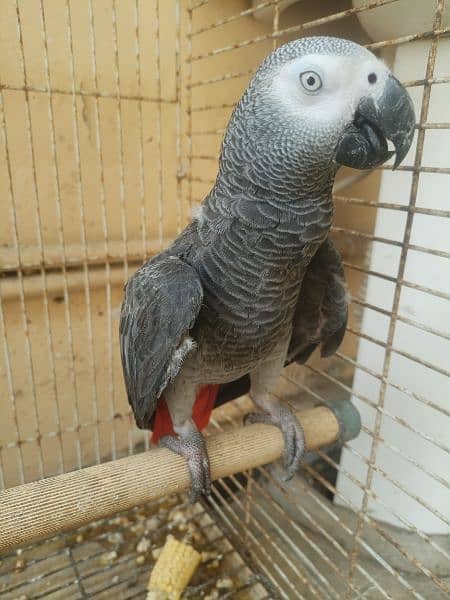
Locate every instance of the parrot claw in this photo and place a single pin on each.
(294, 437)
(193, 447)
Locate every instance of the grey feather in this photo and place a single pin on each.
(161, 303)
(255, 268)
(321, 314)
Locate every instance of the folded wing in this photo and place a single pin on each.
(162, 301)
(322, 310)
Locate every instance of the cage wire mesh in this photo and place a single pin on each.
(112, 114)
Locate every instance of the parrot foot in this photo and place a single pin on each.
(294, 436)
(193, 447)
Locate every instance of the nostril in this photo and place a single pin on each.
(372, 77)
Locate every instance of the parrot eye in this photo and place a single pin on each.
(310, 81)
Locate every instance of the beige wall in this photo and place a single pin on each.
(105, 170)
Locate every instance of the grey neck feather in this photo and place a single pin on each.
(274, 171)
(272, 151)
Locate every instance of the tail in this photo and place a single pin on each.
(201, 413)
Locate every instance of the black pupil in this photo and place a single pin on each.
(372, 78)
(311, 80)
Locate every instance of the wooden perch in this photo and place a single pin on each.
(40, 509)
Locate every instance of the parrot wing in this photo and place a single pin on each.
(322, 309)
(162, 301)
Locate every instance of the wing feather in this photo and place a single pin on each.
(322, 308)
(162, 301)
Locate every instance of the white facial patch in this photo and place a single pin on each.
(344, 80)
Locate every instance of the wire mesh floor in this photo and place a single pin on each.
(260, 537)
(284, 551)
(114, 558)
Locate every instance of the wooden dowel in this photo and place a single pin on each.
(40, 509)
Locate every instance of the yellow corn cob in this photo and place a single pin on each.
(173, 570)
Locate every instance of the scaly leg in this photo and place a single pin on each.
(189, 442)
(263, 380)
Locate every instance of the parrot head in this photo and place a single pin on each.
(316, 104)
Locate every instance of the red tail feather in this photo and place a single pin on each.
(201, 412)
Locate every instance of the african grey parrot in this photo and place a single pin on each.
(254, 280)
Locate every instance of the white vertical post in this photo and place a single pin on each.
(414, 455)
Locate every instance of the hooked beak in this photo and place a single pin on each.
(391, 117)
